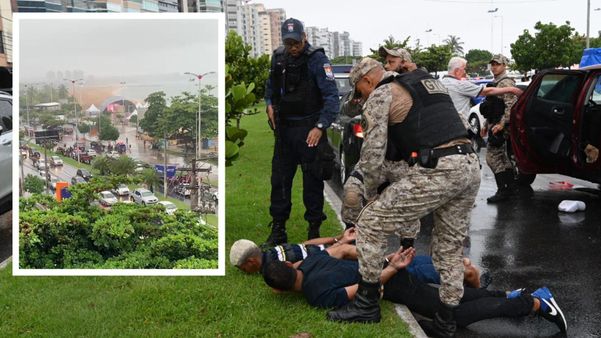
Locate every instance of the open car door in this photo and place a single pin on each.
(543, 122)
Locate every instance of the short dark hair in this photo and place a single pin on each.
(279, 275)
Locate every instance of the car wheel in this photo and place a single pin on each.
(474, 130)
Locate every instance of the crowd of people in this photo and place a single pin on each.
(416, 159)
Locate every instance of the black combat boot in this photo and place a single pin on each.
(443, 325)
(407, 242)
(313, 230)
(365, 308)
(278, 234)
(506, 187)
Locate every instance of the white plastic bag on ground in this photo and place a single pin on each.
(571, 206)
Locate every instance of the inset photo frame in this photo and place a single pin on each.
(118, 143)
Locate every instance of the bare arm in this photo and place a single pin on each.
(346, 237)
(489, 91)
(343, 251)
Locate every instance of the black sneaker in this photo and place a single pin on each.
(549, 308)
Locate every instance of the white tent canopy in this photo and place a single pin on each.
(92, 110)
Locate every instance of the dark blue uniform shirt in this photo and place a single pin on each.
(325, 277)
(320, 70)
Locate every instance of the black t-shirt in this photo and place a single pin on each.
(325, 278)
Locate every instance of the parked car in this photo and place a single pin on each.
(143, 196)
(56, 161)
(555, 120)
(91, 152)
(40, 164)
(107, 198)
(112, 154)
(183, 189)
(45, 174)
(170, 208)
(77, 179)
(121, 190)
(86, 175)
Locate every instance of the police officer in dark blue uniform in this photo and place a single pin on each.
(302, 101)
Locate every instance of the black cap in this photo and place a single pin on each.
(292, 29)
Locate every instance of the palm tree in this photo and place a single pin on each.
(453, 42)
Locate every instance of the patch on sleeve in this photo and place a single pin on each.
(327, 68)
(364, 124)
(433, 86)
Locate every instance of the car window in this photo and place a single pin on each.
(343, 85)
(6, 115)
(559, 87)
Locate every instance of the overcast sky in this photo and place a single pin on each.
(373, 21)
(147, 54)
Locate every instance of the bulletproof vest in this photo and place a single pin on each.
(432, 119)
(493, 107)
(294, 90)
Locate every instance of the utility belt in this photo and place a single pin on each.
(310, 122)
(428, 158)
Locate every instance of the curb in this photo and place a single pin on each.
(402, 311)
(6, 262)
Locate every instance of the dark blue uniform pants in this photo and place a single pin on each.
(291, 150)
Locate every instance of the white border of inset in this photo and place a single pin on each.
(220, 18)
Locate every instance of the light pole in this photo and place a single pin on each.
(429, 30)
(122, 83)
(75, 114)
(492, 20)
(198, 118)
(500, 16)
(194, 186)
(27, 110)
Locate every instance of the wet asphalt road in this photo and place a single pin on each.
(526, 242)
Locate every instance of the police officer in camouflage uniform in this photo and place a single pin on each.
(302, 101)
(414, 112)
(396, 60)
(498, 121)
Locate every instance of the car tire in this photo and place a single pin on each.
(474, 130)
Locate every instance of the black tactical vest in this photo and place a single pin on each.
(493, 107)
(432, 119)
(294, 90)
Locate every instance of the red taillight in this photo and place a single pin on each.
(357, 130)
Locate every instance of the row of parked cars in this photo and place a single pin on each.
(553, 121)
(140, 196)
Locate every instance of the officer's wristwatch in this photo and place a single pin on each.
(320, 126)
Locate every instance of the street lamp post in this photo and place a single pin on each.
(75, 114)
(122, 83)
(492, 20)
(198, 118)
(194, 187)
(27, 110)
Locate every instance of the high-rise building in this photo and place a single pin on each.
(357, 48)
(6, 34)
(277, 16)
(231, 14)
(204, 5)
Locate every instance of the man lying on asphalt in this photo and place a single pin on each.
(326, 280)
(248, 257)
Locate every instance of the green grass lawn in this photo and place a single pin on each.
(235, 305)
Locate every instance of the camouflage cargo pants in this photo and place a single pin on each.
(353, 201)
(449, 191)
(497, 158)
